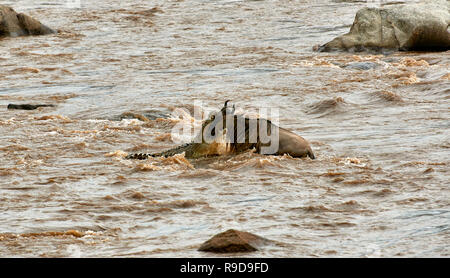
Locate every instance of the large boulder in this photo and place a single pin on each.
(18, 24)
(420, 26)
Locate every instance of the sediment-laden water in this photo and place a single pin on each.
(378, 125)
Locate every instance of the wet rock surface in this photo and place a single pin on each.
(28, 106)
(233, 241)
(13, 24)
(400, 27)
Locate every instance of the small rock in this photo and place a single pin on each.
(232, 241)
(28, 106)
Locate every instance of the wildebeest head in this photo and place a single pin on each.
(217, 120)
(225, 111)
(239, 132)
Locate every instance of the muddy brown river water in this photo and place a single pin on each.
(379, 125)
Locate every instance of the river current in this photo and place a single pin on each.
(378, 124)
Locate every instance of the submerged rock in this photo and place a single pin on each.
(232, 241)
(13, 24)
(401, 27)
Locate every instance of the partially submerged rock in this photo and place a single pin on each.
(13, 24)
(400, 27)
(28, 106)
(232, 241)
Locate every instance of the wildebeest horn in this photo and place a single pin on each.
(226, 102)
(234, 108)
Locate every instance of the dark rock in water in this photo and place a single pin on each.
(400, 27)
(14, 24)
(232, 241)
(28, 106)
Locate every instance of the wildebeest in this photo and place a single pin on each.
(239, 133)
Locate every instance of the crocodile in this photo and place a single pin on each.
(244, 134)
(191, 150)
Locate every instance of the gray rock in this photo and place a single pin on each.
(13, 24)
(401, 27)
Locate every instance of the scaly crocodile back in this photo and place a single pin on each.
(188, 148)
